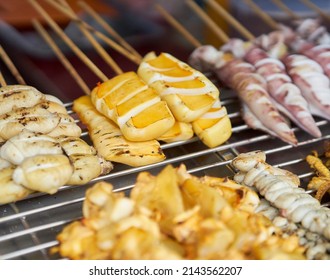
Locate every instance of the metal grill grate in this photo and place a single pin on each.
(28, 228)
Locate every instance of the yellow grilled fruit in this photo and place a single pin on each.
(136, 108)
(180, 131)
(109, 140)
(188, 93)
(214, 127)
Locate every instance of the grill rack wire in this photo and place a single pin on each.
(28, 227)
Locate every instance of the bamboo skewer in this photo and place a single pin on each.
(3, 82)
(315, 8)
(88, 9)
(230, 19)
(176, 25)
(100, 35)
(264, 16)
(206, 19)
(42, 31)
(286, 9)
(12, 68)
(68, 41)
(99, 49)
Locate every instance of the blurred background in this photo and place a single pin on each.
(137, 21)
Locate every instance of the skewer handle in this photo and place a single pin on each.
(315, 8)
(42, 31)
(11, 66)
(286, 9)
(3, 82)
(172, 21)
(208, 21)
(230, 19)
(265, 17)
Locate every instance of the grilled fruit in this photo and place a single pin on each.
(18, 96)
(180, 131)
(214, 127)
(87, 165)
(109, 140)
(44, 173)
(188, 93)
(137, 109)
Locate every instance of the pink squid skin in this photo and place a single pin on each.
(251, 89)
(287, 96)
(314, 85)
(240, 76)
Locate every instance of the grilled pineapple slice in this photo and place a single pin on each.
(133, 106)
(109, 140)
(188, 93)
(214, 127)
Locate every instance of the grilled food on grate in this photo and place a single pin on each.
(109, 140)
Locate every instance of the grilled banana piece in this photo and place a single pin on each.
(44, 173)
(214, 127)
(27, 144)
(133, 106)
(66, 127)
(109, 140)
(188, 93)
(18, 96)
(9, 190)
(86, 163)
(180, 131)
(36, 119)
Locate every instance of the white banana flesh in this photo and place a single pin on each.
(44, 173)
(28, 144)
(66, 127)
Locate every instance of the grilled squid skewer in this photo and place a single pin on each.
(249, 85)
(109, 141)
(286, 95)
(282, 192)
(314, 85)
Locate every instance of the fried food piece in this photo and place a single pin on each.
(109, 140)
(317, 164)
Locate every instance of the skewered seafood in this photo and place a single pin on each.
(174, 215)
(285, 94)
(109, 141)
(250, 87)
(283, 192)
(136, 108)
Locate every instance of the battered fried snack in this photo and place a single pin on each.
(174, 215)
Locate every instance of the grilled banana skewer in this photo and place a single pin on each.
(109, 140)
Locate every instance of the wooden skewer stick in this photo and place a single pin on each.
(42, 31)
(2, 80)
(100, 35)
(264, 16)
(6, 59)
(315, 8)
(230, 19)
(176, 25)
(286, 9)
(68, 41)
(88, 9)
(100, 50)
(210, 23)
